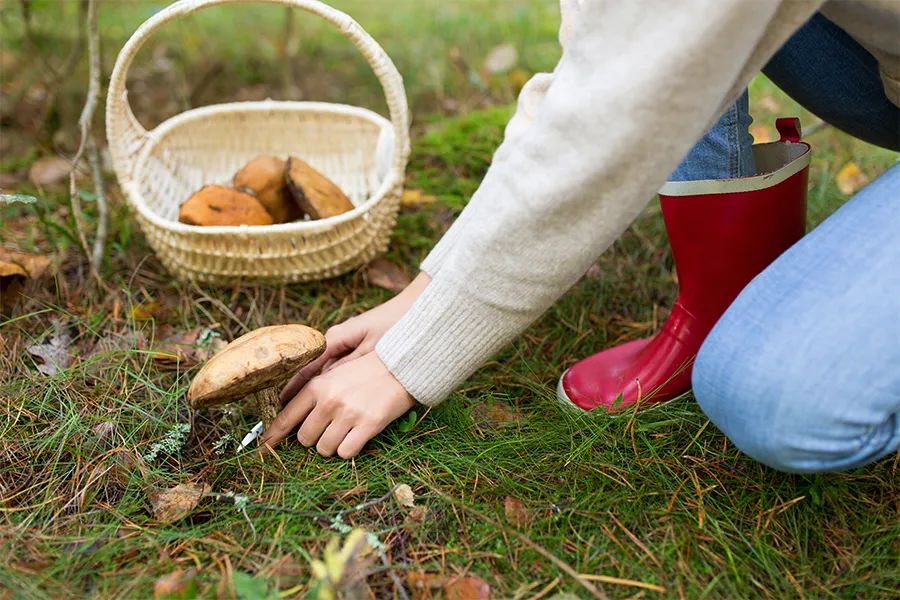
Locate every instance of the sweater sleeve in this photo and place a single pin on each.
(638, 85)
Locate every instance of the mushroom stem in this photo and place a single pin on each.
(268, 403)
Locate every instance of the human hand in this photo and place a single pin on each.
(344, 408)
(357, 336)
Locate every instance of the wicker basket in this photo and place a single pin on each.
(364, 153)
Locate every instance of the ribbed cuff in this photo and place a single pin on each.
(444, 338)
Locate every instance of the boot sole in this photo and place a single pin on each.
(563, 399)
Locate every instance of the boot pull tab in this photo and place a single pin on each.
(789, 129)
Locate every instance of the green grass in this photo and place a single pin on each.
(658, 496)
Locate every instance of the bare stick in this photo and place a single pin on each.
(84, 124)
(102, 208)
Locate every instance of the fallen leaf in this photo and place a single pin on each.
(405, 496)
(34, 264)
(422, 585)
(385, 274)
(187, 349)
(177, 584)
(517, 79)
(49, 171)
(177, 502)
(500, 59)
(145, 311)
(467, 588)
(850, 178)
(413, 198)
(16, 269)
(761, 134)
(495, 414)
(416, 516)
(516, 512)
(55, 353)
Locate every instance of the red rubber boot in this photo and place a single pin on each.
(722, 233)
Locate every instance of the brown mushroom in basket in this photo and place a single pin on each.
(258, 363)
(318, 196)
(263, 177)
(219, 205)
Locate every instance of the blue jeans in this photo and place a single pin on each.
(802, 372)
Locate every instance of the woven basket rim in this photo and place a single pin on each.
(154, 137)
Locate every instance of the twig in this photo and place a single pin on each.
(84, 124)
(102, 208)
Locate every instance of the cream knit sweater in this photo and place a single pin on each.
(638, 83)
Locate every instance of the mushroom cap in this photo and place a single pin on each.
(264, 358)
(317, 195)
(219, 205)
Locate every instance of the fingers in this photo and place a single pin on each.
(292, 414)
(332, 438)
(352, 356)
(355, 440)
(314, 425)
(339, 340)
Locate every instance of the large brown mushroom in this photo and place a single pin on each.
(263, 177)
(219, 205)
(257, 363)
(318, 196)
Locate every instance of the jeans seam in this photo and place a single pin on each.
(733, 150)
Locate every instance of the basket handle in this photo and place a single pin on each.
(127, 136)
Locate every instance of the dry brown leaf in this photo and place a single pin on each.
(413, 198)
(500, 59)
(416, 516)
(423, 585)
(516, 512)
(850, 178)
(35, 265)
(49, 171)
(405, 496)
(186, 349)
(176, 503)
(385, 274)
(467, 588)
(496, 414)
(177, 584)
(55, 352)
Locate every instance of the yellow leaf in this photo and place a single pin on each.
(146, 311)
(850, 178)
(761, 134)
(415, 197)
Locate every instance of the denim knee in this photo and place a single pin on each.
(779, 411)
(725, 384)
